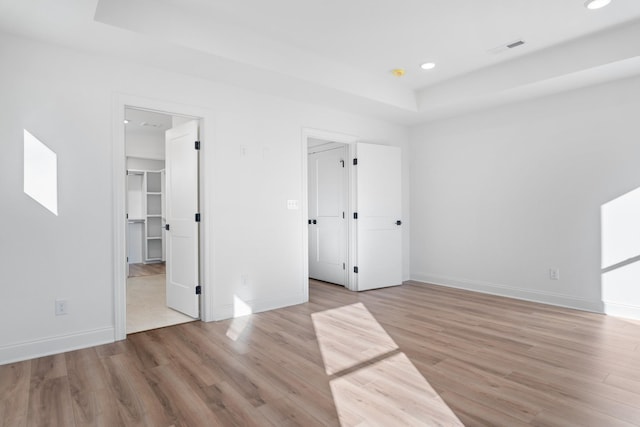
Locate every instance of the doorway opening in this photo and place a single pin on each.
(353, 233)
(162, 264)
(328, 210)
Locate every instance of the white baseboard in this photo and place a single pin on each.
(512, 292)
(227, 311)
(622, 310)
(53, 345)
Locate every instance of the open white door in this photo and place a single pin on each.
(327, 215)
(182, 243)
(378, 226)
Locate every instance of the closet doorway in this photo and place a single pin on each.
(152, 300)
(328, 201)
(354, 211)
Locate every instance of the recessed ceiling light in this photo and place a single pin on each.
(126, 121)
(428, 66)
(398, 72)
(596, 4)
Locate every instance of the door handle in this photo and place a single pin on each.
(398, 222)
(315, 222)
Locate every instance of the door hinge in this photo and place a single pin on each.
(198, 290)
(197, 144)
(342, 215)
(166, 227)
(355, 269)
(355, 161)
(197, 217)
(127, 216)
(355, 215)
(344, 266)
(128, 259)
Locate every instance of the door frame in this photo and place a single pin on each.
(119, 104)
(349, 141)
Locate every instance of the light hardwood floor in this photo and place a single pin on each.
(410, 355)
(137, 270)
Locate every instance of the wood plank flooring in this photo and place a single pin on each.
(410, 355)
(137, 270)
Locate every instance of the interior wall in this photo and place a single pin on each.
(66, 98)
(178, 120)
(136, 163)
(500, 197)
(145, 144)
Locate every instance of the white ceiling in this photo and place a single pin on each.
(339, 53)
(375, 36)
(147, 121)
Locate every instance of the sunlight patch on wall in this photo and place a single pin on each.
(621, 255)
(40, 173)
(240, 308)
(621, 291)
(621, 229)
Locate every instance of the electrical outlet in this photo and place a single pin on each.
(554, 273)
(62, 307)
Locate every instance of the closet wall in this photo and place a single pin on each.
(144, 135)
(145, 215)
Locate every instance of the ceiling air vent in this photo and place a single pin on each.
(505, 47)
(515, 44)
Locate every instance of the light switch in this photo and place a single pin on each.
(292, 205)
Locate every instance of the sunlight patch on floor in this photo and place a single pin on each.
(373, 382)
(237, 327)
(349, 336)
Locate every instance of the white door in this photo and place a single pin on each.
(327, 215)
(181, 186)
(378, 226)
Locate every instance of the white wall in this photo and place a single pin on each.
(145, 144)
(501, 196)
(177, 121)
(65, 98)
